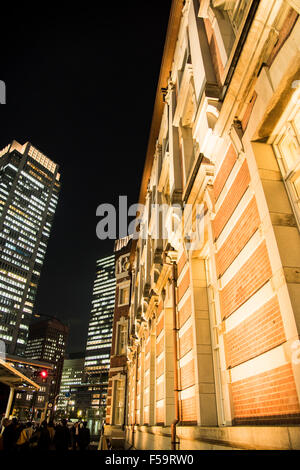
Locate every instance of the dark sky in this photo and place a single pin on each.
(81, 87)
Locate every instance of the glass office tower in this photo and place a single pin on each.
(29, 188)
(100, 326)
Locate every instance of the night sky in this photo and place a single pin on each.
(81, 86)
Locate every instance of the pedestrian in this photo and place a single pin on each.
(9, 434)
(44, 438)
(62, 437)
(84, 437)
(51, 430)
(25, 436)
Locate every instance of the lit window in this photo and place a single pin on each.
(123, 295)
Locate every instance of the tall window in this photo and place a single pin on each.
(287, 148)
(121, 338)
(124, 295)
(118, 402)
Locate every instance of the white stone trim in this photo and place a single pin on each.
(263, 363)
(236, 215)
(229, 182)
(183, 273)
(244, 255)
(188, 393)
(184, 298)
(185, 327)
(253, 304)
(186, 359)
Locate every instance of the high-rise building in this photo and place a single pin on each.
(29, 187)
(47, 342)
(116, 394)
(98, 346)
(72, 374)
(100, 326)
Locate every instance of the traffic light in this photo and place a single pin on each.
(44, 374)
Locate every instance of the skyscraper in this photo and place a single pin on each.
(72, 374)
(29, 187)
(47, 342)
(100, 326)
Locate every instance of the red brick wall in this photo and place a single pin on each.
(188, 410)
(187, 375)
(266, 397)
(147, 363)
(160, 391)
(224, 171)
(160, 346)
(146, 416)
(160, 415)
(160, 368)
(235, 194)
(159, 308)
(183, 285)
(259, 333)
(185, 312)
(181, 263)
(253, 275)
(238, 237)
(186, 342)
(160, 325)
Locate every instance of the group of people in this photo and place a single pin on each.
(61, 436)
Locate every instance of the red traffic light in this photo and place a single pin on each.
(44, 374)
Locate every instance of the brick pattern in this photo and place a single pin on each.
(160, 345)
(259, 333)
(160, 391)
(248, 112)
(147, 363)
(235, 194)
(251, 277)
(183, 285)
(160, 325)
(266, 395)
(187, 410)
(159, 415)
(185, 312)
(181, 263)
(186, 342)
(244, 229)
(187, 375)
(224, 171)
(160, 368)
(146, 379)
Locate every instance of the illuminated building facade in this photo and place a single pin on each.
(213, 354)
(29, 188)
(46, 342)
